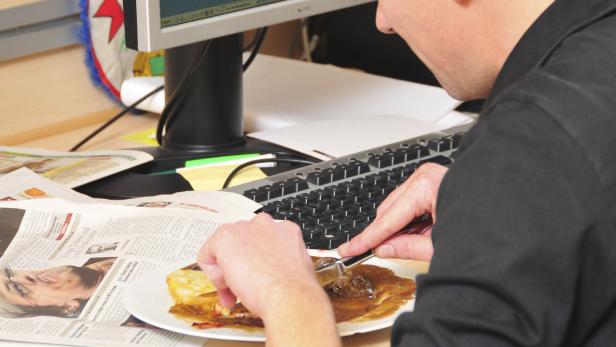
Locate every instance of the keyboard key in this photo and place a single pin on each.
(375, 160)
(440, 145)
(319, 178)
(294, 185)
(339, 173)
(399, 157)
(456, 139)
(329, 173)
(439, 159)
(251, 194)
(387, 159)
(274, 191)
(363, 168)
(270, 209)
(357, 168)
(420, 150)
(261, 195)
(315, 195)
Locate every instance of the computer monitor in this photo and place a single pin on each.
(208, 118)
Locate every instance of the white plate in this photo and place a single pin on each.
(147, 298)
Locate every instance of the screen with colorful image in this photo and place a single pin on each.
(173, 12)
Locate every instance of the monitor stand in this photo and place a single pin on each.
(206, 120)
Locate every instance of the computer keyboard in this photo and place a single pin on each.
(332, 201)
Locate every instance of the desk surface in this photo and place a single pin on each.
(81, 110)
(14, 3)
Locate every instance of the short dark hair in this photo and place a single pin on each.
(89, 277)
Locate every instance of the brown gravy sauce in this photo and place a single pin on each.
(388, 293)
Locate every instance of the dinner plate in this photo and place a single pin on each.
(147, 298)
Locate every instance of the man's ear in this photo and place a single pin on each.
(71, 308)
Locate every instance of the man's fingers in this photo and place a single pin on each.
(263, 219)
(424, 182)
(415, 247)
(392, 221)
(393, 197)
(214, 274)
(205, 256)
(226, 298)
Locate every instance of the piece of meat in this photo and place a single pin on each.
(322, 262)
(350, 285)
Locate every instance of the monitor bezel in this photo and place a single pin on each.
(150, 35)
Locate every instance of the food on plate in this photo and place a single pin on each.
(367, 292)
(189, 287)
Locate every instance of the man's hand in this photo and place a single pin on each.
(265, 264)
(412, 199)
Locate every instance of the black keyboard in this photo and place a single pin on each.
(332, 201)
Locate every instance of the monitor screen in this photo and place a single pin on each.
(162, 24)
(173, 12)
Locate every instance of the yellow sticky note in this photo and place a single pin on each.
(213, 177)
(145, 137)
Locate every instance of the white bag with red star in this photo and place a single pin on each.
(110, 62)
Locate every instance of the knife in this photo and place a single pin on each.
(332, 270)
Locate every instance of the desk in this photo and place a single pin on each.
(69, 132)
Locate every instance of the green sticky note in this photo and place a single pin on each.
(157, 66)
(216, 160)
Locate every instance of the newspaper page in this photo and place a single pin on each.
(67, 168)
(63, 268)
(24, 184)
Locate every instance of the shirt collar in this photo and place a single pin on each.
(560, 20)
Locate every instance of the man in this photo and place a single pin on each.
(58, 291)
(525, 221)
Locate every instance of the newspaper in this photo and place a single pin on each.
(64, 265)
(70, 169)
(23, 184)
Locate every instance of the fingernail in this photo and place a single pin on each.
(385, 251)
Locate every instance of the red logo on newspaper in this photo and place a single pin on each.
(67, 221)
(113, 10)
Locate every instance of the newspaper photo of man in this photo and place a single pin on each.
(60, 291)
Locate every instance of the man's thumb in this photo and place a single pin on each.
(413, 247)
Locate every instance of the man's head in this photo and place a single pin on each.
(464, 42)
(58, 290)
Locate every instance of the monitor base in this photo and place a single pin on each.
(143, 180)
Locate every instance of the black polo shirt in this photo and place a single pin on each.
(525, 239)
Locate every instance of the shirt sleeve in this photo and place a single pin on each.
(515, 222)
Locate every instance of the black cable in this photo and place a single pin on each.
(258, 43)
(126, 110)
(253, 43)
(178, 94)
(259, 161)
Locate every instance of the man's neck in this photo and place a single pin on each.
(516, 18)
